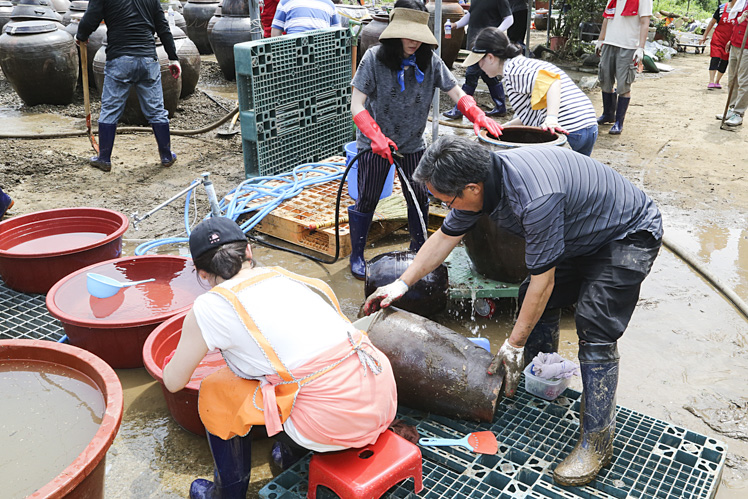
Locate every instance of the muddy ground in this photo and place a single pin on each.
(683, 357)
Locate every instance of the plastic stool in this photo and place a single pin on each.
(368, 472)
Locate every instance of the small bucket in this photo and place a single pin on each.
(352, 178)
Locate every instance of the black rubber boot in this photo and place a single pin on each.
(499, 100)
(597, 422)
(454, 113)
(623, 105)
(417, 237)
(358, 225)
(232, 460)
(284, 456)
(106, 141)
(609, 108)
(163, 139)
(544, 336)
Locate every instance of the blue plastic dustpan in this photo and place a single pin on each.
(102, 286)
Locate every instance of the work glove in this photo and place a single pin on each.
(175, 68)
(384, 296)
(551, 125)
(638, 55)
(598, 46)
(380, 144)
(78, 41)
(510, 360)
(470, 109)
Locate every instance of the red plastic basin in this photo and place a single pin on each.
(84, 477)
(116, 328)
(183, 404)
(39, 249)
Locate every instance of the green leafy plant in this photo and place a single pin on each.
(662, 29)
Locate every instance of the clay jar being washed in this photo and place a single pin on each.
(189, 58)
(451, 10)
(40, 61)
(197, 13)
(495, 252)
(228, 31)
(171, 87)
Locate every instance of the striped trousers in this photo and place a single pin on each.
(372, 173)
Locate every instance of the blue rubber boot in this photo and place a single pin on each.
(454, 113)
(163, 139)
(5, 203)
(417, 237)
(594, 450)
(623, 105)
(232, 460)
(609, 108)
(358, 224)
(544, 336)
(285, 456)
(106, 141)
(499, 100)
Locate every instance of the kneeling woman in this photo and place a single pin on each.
(541, 94)
(392, 93)
(310, 374)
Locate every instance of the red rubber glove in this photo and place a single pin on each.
(470, 109)
(379, 143)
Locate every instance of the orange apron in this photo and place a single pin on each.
(230, 405)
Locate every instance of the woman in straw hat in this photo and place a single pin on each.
(392, 93)
(541, 94)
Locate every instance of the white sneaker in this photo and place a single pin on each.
(730, 114)
(734, 120)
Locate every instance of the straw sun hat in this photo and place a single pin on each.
(409, 23)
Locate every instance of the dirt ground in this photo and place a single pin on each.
(671, 146)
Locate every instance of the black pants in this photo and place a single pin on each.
(518, 29)
(717, 64)
(372, 173)
(604, 286)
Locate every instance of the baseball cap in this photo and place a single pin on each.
(212, 233)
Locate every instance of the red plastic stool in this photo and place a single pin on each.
(368, 472)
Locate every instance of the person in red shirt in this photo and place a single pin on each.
(717, 48)
(266, 16)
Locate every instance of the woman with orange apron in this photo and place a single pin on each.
(295, 363)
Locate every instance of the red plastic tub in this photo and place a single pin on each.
(116, 328)
(183, 404)
(39, 249)
(84, 477)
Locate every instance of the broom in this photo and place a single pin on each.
(391, 208)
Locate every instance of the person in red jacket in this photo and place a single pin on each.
(718, 46)
(267, 13)
(738, 75)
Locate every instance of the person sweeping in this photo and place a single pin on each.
(392, 93)
(310, 377)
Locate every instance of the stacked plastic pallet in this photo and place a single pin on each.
(294, 99)
(25, 316)
(652, 458)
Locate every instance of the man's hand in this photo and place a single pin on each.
(384, 296)
(638, 55)
(598, 47)
(79, 41)
(470, 109)
(175, 68)
(551, 125)
(510, 361)
(380, 144)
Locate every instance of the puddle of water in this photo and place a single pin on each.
(227, 90)
(15, 121)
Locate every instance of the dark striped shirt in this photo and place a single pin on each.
(563, 204)
(576, 111)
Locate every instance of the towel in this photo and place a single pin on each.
(553, 366)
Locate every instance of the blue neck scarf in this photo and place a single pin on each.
(408, 61)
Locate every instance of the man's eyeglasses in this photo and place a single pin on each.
(449, 205)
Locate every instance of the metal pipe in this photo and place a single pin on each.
(136, 219)
(215, 210)
(435, 102)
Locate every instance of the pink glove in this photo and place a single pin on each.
(470, 109)
(380, 144)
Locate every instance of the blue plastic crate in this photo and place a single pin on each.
(294, 99)
(651, 459)
(25, 316)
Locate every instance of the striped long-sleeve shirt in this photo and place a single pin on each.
(297, 16)
(564, 204)
(519, 79)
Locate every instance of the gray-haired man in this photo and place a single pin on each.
(591, 238)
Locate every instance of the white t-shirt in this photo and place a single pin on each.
(281, 308)
(623, 31)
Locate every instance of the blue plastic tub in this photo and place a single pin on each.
(352, 178)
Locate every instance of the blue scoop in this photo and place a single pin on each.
(102, 286)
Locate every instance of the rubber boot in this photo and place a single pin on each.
(499, 100)
(106, 141)
(597, 422)
(5, 203)
(609, 108)
(284, 456)
(544, 336)
(358, 224)
(623, 105)
(233, 466)
(454, 113)
(163, 139)
(417, 237)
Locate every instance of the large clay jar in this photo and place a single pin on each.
(171, 87)
(228, 31)
(451, 10)
(40, 61)
(213, 20)
(178, 17)
(5, 9)
(369, 36)
(496, 253)
(34, 10)
(189, 58)
(238, 8)
(60, 6)
(95, 41)
(77, 9)
(197, 13)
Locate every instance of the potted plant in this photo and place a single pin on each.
(663, 32)
(559, 32)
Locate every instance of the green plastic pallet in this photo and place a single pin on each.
(466, 284)
(294, 99)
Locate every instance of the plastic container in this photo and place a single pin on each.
(352, 178)
(547, 389)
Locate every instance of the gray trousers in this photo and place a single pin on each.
(617, 69)
(739, 98)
